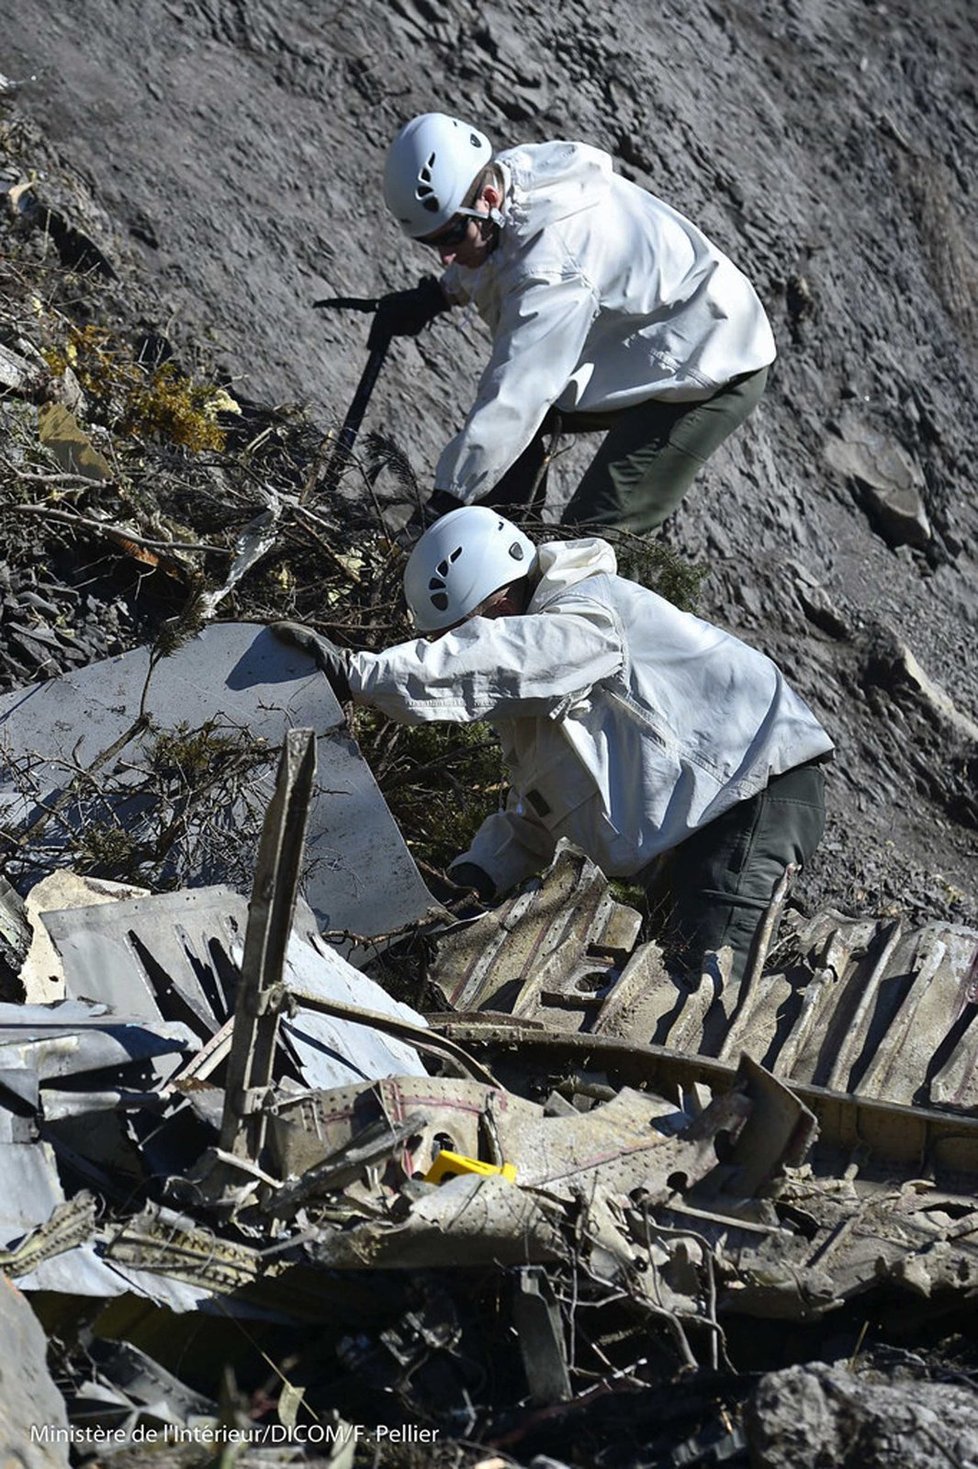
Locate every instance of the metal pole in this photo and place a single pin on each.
(261, 991)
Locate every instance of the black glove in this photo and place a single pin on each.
(439, 504)
(333, 661)
(405, 313)
(433, 509)
(468, 875)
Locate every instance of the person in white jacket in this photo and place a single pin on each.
(608, 310)
(628, 726)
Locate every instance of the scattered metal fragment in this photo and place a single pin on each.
(403, 1029)
(42, 973)
(556, 947)
(228, 1277)
(15, 938)
(72, 1223)
(466, 1223)
(315, 1126)
(253, 542)
(541, 1336)
(240, 678)
(371, 1150)
(124, 1387)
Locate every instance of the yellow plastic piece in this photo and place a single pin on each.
(451, 1165)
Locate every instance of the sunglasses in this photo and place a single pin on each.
(455, 233)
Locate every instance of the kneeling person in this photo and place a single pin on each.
(627, 726)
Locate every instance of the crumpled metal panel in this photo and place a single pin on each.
(46, 1052)
(869, 1009)
(59, 1251)
(82, 1271)
(163, 954)
(865, 1008)
(617, 1145)
(169, 1248)
(449, 1113)
(854, 1240)
(158, 1256)
(31, 1187)
(466, 1222)
(331, 1051)
(75, 1038)
(557, 946)
(903, 1008)
(180, 952)
(127, 1386)
(242, 676)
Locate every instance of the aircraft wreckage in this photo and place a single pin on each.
(579, 1177)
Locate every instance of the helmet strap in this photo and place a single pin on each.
(490, 223)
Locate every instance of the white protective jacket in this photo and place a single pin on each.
(598, 296)
(625, 723)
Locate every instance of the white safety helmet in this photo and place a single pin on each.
(431, 165)
(460, 561)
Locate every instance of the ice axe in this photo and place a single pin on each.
(368, 379)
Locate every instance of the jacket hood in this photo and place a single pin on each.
(562, 564)
(547, 182)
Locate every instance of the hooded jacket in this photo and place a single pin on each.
(625, 723)
(598, 296)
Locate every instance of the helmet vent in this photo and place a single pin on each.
(424, 193)
(440, 602)
(516, 551)
(443, 565)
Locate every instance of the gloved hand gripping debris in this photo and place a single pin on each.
(333, 661)
(406, 313)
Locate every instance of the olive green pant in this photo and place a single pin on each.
(719, 882)
(652, 453)
(646, 464)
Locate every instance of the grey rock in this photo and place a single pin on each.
(814, 1416)
(28, 1397)
(890, 483)
(893, 666)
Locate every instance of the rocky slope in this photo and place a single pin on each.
(236, 150)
